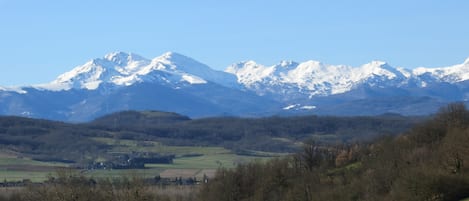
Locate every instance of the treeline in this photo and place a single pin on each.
(64, 142)
(429, 162)
(45, 140)
(273, 134)
(70, 186)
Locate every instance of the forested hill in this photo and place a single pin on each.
(71, 142)
(134, 119)
(277, 134)
(429, 162)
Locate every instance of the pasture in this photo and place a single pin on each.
(189, 162)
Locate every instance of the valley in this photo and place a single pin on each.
(234, 100)
(34, 149)
(325, 158)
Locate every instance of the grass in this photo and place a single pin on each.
(39, 176)
(143, 173)
(34, 176)
(14, 168)
(206, 158)
(27, 161)
(212, 161)
(153, 146)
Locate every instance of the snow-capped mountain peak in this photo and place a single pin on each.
(194, 72)
(451, 74)
(99, 70)
(176, 61)
(129, 61)
(314, 77)
(174, 56)
(284, 66)
(124, 69)
(381, 68)
(375, 65)
(174, 82)
(243, 65)
(122, 58)
(287, 63)
(87, 76)
(249, 72)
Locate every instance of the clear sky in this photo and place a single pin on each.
(41, 39)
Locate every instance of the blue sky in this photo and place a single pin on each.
(41, 39)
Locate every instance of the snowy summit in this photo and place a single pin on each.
(125, 69)
(287, 78)
(314, 78)
(174, 82)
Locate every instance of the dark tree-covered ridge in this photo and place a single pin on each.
(428, 162)
(58, 141)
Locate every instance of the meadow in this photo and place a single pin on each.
(189, 162)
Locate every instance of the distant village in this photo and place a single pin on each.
(134, 160)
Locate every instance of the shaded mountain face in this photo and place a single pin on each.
(174, 82)
(370, 89)
(125, 81)
(126, 69)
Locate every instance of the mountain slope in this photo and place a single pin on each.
(369, 89)
(125, 81)
(125, 69)
(313, 78)
(174, 82)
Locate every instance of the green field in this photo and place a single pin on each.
(127, 146)
(143, 173)
(34, 176)
(17, 168)
(210, 157)
(210, 161)
(4, 161)
(196, 158)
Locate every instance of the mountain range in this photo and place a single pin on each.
(177, 83)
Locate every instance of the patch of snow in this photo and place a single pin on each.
(26, 113)
(423, 84)
(54, 86)
(193, 79)
(249, 72)
(125, 80)
(289, 107)
(308, 107)
(299, 107)
(14, 89)
(92, 85)
(406, 73)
